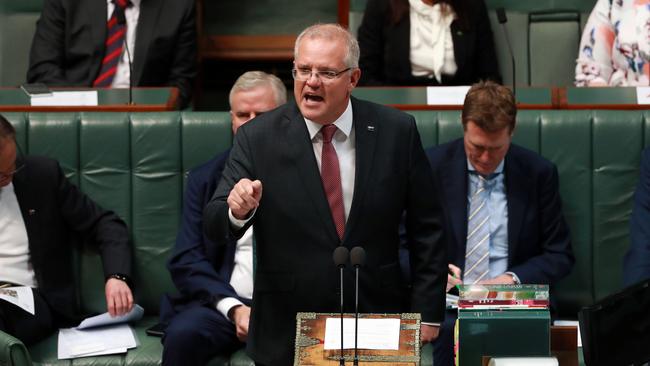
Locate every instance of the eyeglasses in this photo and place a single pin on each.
(10, 174)
(304, 74)
(4, 176)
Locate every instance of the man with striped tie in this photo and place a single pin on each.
(115, 43)
(503, 209)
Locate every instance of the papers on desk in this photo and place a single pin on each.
(99, 335)
(373, 333)
(446, 95)
(643, 94)
(21, 296)
(66, 98)
(452, 301)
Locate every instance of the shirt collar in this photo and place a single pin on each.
(496, 172)
(343, 123)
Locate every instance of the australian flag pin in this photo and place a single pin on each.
(31, 212)
(371, 128)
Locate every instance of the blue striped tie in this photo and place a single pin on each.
(477, 252)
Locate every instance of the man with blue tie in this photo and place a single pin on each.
(210, 315)
(502, 205)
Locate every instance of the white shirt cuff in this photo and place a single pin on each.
(224, 305)
(237, 223)
(515, 278)
(432, 324)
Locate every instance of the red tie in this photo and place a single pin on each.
(331, 176)
(115, 34)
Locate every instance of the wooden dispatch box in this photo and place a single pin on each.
(310, 339)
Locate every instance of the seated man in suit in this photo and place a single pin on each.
(636, 266)
(89, 43)
(502, 205)
(210, 316)
(42, 215)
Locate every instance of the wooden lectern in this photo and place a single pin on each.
(310, 338)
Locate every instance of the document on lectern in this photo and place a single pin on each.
(377, 334)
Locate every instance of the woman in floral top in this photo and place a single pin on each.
(615, 45)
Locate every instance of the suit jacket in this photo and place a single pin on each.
(385, 48)
(200, 269)
(539, 245)
(69, 43)
(636, 266)
(295, 232)
(57, 216)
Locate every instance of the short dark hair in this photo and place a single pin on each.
(490, 106)
(6, 128)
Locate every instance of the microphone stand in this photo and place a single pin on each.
(340, 256)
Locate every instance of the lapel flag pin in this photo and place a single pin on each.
(31, 211)
(371, 128)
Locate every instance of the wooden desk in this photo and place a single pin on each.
(109, 100)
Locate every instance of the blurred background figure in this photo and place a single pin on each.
(615, 45)
(426, 42)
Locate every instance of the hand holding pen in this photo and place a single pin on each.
(453, 277)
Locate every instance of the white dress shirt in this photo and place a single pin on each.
(242, 274)
(122, 78)
(432, 48)
(15, 265)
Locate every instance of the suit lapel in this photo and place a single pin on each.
(149, 10)
(302, 153)
(455, 196)
(365, 131)
(517, 192)
(28, 203)
(460, 45)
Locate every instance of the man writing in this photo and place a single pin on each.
(211, 314)
(325, 171)
(502, 204)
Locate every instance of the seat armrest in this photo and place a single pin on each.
(13, 352)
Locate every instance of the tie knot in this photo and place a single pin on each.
(122, 3)
(328, 132)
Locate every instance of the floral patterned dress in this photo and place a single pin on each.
(615, 45)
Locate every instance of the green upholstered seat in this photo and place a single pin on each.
(17, 27)
(135, 164)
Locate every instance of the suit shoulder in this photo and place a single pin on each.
(444, 152)
(42, 164)
(209, 170)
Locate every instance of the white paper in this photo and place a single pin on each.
(67, 98)
(452, 301)
(643, 94)
(21, 296)
(528, 361)
(373, 333)
(446, 95)
(105, 319)
(570, 323)
(97, 341)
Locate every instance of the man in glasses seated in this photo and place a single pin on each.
(210, 315)
(42, 216)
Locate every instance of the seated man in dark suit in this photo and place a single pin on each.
(636, 266)
(82, 43)
(215, 282)
(42, 216)
(502, 205)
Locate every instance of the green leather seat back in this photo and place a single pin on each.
(558, 34)
(17, 27)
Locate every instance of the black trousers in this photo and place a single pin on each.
(25, 326)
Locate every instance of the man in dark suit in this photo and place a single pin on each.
(74, 45)
(636, 266)
(502, 205)
(335, 170)
(42, 216)
(211, 314)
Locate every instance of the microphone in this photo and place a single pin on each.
(501, 16)
(357, 259)
(121, 19)
(340, 256)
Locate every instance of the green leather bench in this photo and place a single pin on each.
(135, 164)
(17, 27)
